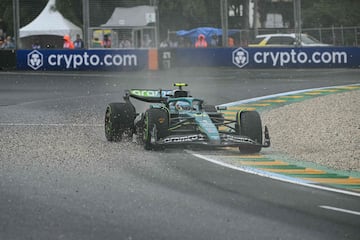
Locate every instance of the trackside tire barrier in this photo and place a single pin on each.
(7, 59)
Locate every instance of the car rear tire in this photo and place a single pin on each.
(156, 124)
(119, 117)
(248, 123)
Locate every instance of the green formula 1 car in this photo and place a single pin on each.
(176, 118)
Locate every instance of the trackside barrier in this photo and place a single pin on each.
(309, 57)
(153, 59)
(73, 60)
(7, 59)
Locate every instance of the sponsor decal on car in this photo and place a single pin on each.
(150, 93)
(187, 138)
(232, 138)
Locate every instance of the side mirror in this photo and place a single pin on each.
(221, 108)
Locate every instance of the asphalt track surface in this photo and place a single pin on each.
(60, 179)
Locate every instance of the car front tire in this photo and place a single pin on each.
(248, 123)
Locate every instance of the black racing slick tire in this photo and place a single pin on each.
(119, 117)
(156, 125)
(248, 123)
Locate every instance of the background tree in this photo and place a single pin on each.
(6, 14)
(28, 11)
(72, 10)
(187, 14)
(176, 15)
(327, 13)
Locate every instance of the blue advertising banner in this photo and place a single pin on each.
(135, 60)
(309, 57)
(112, 60)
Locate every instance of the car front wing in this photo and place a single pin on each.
(226, 140)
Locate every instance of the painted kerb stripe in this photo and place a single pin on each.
(280, 166)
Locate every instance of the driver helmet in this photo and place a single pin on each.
(182, 105)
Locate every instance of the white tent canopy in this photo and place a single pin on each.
(50, 22)
(140, 21)
(131, 17)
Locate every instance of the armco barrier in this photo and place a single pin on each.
(144, 59)
(7, 59)
(309, 57)
(112, 60)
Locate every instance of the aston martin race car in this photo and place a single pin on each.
(175, 118)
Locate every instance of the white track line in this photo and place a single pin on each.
(247, 169)
(282, 94)
(269, 174)
(278, 177)
(340, 210)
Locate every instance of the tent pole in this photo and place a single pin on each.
(224, 22)
(16, 19)
(85, 5)
(157, 32)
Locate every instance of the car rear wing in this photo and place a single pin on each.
(156, 95)
(149, 95)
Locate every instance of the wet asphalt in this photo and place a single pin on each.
(61, 179)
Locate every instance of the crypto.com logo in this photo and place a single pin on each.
(35, 59)
(240, 57)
